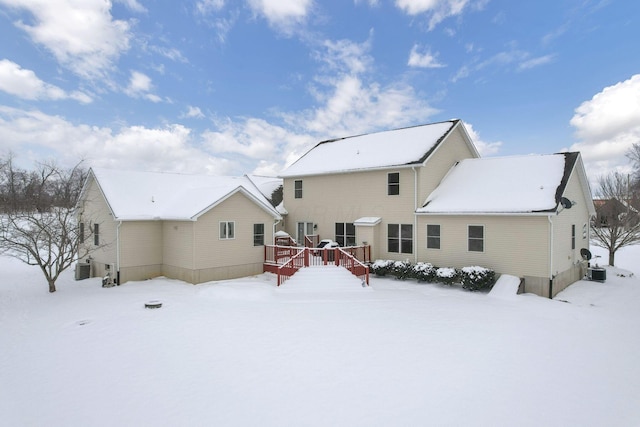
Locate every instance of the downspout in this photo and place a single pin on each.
(118, 253)
(415, 216)
(550, 257)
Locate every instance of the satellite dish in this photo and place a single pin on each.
(566, 203)
(585, 253)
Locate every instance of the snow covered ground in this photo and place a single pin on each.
(247, 353)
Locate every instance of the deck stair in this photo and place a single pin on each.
(323, 278)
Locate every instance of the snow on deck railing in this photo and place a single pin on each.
(289, 268)
(311, 240)
(295, 258)
(352, 264)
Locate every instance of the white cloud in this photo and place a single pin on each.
(484, 148)
(345, 56)
(512, 59)
(253, 138)
(284, 15)
(82, 35)
(140, 86)
(607, 126)
(205, 7)
(133, 5)
(438, 10)
(535, 62)
(24, 84)
(167, 148)
(423, 60)
(170, 53)
(193, 113)
(348, 104)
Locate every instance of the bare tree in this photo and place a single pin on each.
(634, 155)
(617, 223)
(41, 233)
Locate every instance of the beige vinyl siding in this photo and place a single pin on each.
(516, 245)
(94, 210)
(564, 258)
(140, 250)
(194, 251)
(452, 150)
(177, 245)
(328, 199)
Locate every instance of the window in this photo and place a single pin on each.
(393, 184)
(400, 238)
(433, 236)
(227, 230)
(345, 233)
(573, 236)
(96, 234)
(304, 229)
(476, 238)
(297, 189)
(584, 231)
(258, 234)
(81, 233)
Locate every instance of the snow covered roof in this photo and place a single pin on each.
(518, 184)
(399, 147)
(368, 221)
(134, 195)
(266, 184)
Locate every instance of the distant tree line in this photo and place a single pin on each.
(40, 189)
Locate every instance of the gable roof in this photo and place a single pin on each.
(408, 146)
(135, 195)
(517, 184)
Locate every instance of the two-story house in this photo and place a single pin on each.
(366, 189)
(423, 194)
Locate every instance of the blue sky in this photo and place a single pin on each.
(247, 86)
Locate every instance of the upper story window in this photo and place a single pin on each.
(81, 233)
(96, 234)
(297, 189)
(433, 236)
(573, 236)
(393, 183)
(227, 230)
(476, 238)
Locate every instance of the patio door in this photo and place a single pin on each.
(303, 229)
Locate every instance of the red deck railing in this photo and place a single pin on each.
(285, 261)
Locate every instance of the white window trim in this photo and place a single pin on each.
(439, 237)
(484, 237)
(226, 237)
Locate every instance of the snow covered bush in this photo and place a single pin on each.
(447, 275)
(424, 272)
(402, 269)
(381, 267)
(476, 278)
